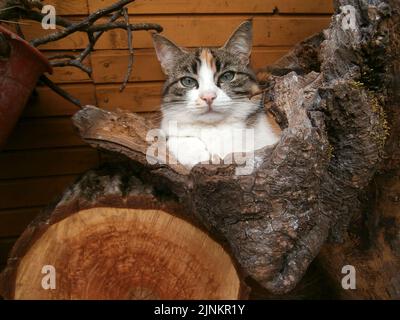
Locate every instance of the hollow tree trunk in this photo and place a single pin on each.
(336, 97)
(112, 237)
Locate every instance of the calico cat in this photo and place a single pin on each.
(206, 100)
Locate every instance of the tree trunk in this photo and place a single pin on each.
(329, 186)
(372, 244)
(112, 237)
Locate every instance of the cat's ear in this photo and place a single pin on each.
(240, 42)
(167, 52)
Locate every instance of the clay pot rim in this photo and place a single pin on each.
(35, 52)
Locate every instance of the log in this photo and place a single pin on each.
(111, 236)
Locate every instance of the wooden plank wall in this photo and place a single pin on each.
(45, 154)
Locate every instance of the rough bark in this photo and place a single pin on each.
(373, 240)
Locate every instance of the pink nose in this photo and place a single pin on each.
(208, 97)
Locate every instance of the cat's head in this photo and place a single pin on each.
(208, 84)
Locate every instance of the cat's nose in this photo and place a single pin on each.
(208, 97)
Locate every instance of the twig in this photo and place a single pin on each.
(72, 63)
(130, 46)
(15, 22)
(76, 61)
(8, 8)
(122, 25)
(90, 46)
(19, 31)
(60, 91)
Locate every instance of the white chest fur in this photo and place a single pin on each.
(194, 143)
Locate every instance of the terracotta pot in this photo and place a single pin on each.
(20, 68)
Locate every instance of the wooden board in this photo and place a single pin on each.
(197, 31)
(109, 66)
(32, 192)
(68, 75)
(70, 7)
(47, 162)
(136, 97)
(13, 222)
(221, 6)
(200, 30)
(43, 133)
(47, 103)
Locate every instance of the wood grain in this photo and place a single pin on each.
(197, 31)
(221, 6)
(139, 97)
(144, 254)
(70, 7)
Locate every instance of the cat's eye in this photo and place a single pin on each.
(189, 82)
(227, 76)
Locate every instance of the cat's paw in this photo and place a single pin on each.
(189, 151)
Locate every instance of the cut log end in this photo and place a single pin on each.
(116, 253)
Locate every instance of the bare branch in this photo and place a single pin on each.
(122, 25)
(130, 46)
(19, 31)
(83, 25)
(90, 46)
(72, 63)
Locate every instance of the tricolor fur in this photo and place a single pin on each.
(206, 94)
